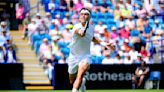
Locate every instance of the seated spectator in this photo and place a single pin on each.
(140, 23)
(3, 27)
(130, 22)
(4, 36)
(66, 34)
(107, 59)
(78, 6)
(141, 73)
(55, 47)
(118, 59)
(133, 54)
(47, 19)
(127, 59)
(2, 54)
(99, 28)
(139, 59)
(144, 52)
(125, 34)
(117, 13)
(114, 34)
(32, 29)
(45, 52)
(9, 43)
(10, 55)
(148, 31)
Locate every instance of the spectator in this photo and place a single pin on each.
(125, 34)
(107, 59)
(67, 35)
(45, 52)
(140, 23)
(55, 47)
(130, 22)
(63, 6)
(147, 30)
(118, 59)
(117, 13)
(9, 43)
(47, 19)
(20, 16)
(144, 52)
(32, 29)
(11, 55)
(141, 73)
(38, 19)
(4, 36)
(128, 60)
(99, 28)
(2, 54)
(42, 29)
(133, 54)
(78, 6)
(114, 34)
(4, 27)
(106, 34)
(26, 22)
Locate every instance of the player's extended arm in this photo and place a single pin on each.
(79, 32)
(105, 44)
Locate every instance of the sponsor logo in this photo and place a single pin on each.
(106, 76)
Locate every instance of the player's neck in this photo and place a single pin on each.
(83, 24)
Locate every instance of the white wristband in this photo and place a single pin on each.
(103, 43)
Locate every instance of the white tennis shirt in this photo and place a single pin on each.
(80, 46)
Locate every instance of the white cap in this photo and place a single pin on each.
(38, 14)
(159, 31)
(139, 55)
(126, 40)
(113, 28)
(53, 21)
(48, 14)
(45, 39)
(105, 27)
(57, 16)
(55, 38)
(120, 53)
(3, 23)
(156, 21)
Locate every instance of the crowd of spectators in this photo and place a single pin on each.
(7, 47)
(134, 26)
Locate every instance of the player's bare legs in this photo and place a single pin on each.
(83, 67)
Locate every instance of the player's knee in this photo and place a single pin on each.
(83, 67)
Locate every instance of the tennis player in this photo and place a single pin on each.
(79, 59)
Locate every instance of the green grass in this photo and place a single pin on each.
(87, 90)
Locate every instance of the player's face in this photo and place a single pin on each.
(84, 17)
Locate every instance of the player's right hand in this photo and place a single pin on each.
(79, 32)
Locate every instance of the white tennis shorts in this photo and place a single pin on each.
(74, 62)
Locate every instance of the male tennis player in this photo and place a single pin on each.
(79, 59)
